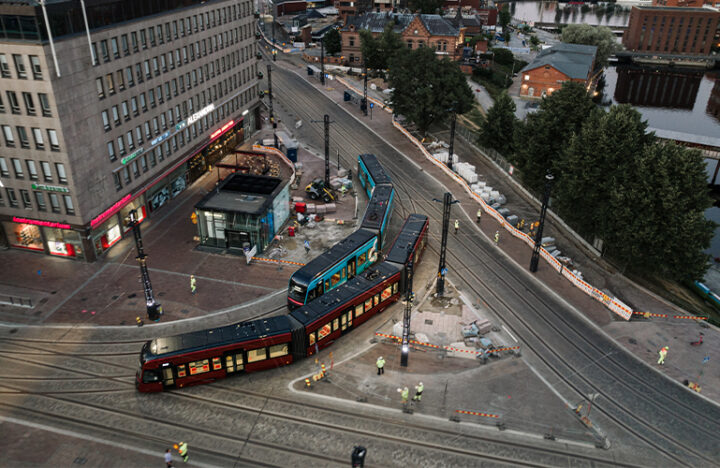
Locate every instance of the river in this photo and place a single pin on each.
(609, 14)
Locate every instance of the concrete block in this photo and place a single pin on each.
(311, 208)
(298, 199)
(342, 173)
(330, 208)
(320, 209)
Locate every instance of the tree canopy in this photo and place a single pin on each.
(333, 44)
(426, 89)
(600, 36)
(426, 7)
(378, 51)
(498, 128)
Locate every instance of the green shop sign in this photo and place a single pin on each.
(132, 156)
(50, 188)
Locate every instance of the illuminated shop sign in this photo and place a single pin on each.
(41, 223)
(222, 130)
(132, 156)
(50, 188)
(200, 114)
(110, 211)
(160, 138)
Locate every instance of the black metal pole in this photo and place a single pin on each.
(447, 202)
(538, 236)
(270, 96)
(452, 139)
(154, 310)
(405, 349)
(322, 61)
(326, 120)
(365, 101)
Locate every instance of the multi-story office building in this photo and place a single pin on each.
(108, 106)
(671, 30)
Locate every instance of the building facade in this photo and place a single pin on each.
(120, 115)
(671, 30)
(560, 63)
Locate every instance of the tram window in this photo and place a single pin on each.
(182, 370)
(239, 361)
(362, 258)
(150, 376)
(343, 273)
(359, 310)
(217, 365)
(376, 299)
(395, 288)
(324, 331)
(368, 304)
(198, 367)
(336, 321)
(327, 285)
(311, 338)
(255, 355)
(229, 364)
(279, 350)
(335, 279)
(387, 292)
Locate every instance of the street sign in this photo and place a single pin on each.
(372, 104)
(444, 271)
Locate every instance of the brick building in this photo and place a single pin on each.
(415, 30)
(558, 64)
(671, 30)
(657, 87)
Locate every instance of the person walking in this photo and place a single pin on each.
(404, 394)
(457, 226)
(418, 392)
(479, 215)
(168, 459)
(663, 353)
(497, 237)
(380, 365)
(306, 244)
(193, 285)
(183, 451)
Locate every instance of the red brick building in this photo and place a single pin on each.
(671, 30)
(558, 64)
(678, 3)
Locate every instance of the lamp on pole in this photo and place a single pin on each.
(364, 104)
(326, 122)
(322, 60)
(538, 236)
(452, 137)
(154, 310)
(270, 96)
(447, 204)
(409, 296)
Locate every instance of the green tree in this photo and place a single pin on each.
(333, 44)
(504, 18)
(390, 44)
(503, 56)
(542, 138)
(498, 127)
(426, 7)
(600, 36)
(425, 89)
(378, 51)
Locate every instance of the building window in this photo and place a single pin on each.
(143, 39)
(2, 105)
(40, 200)
(54, 202)
(143, 103)
(111, 150)
(32, 169)
(120, 80)
(125, 45)
(9, 138)
(20, 66)
(18, 168)
(4, 67)
(38, 136)
(110, 83)
(134, 106)
(134, 41)
(129, 77)
(54, 143)
(62, 177)
(13, 102)
(100, 88)
(409, 44)
(12, 198)
(129, 138)
(45, 105)
(106, 120)
(138, 135)
(69, 208)
(136, 169)
(143, 163)
(121, 145)
(4, 168)
(25, 195)
(115, 115)
(104, 50)
(115, 48)
(126, 174)
(47, 173)
(23, 136)
(116, 179)
(125, 110)
(36, 69)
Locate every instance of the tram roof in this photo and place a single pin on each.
(243, 331)
(332, 256)
(377, 172)
(406, 239)
(377, 207)
(344, 293)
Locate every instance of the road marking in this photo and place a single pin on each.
(511, 335)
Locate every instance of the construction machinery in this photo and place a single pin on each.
(317, 190)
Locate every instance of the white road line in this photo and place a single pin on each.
(511, 335)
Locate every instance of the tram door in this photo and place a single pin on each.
(234, 362)
(346, 320)
(351, 268)
(167, 376)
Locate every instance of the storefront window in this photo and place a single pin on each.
(25, 236)
(107, 235)
(159, 198)
(140, 212)
(63, 242)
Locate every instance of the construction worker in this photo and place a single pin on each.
(457, 226)
(521, 225)
(497, 237)
(306, 244)
(663, 353)
(183, 451)
(479, 215)
(380, 365)
(193, 285)
(418, 392)
(404, 394)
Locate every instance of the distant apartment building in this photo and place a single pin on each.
(560, 63)
(671, 30)
(115, 113)
(416, 31)
(678, 3)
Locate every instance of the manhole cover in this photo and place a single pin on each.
(132, 295)
(184, 311)
(79, 461)
(632, 341)
(83, 299)
(122, 323)
(14, 330)
(54, 292)
(115, 297)
(428, 322)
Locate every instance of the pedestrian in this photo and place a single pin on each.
(183, 451)
(193, 285)
(404, 394)
(168, 459)
(418, 392)
(457, 226)
(663, 353)
(307, 246)
(479, 215)
(380, 365)
(497, 237)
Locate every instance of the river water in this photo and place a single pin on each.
(564, 13)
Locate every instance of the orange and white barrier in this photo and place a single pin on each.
(274, 260)
(448, 348)
(475, 413)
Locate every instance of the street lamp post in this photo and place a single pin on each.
(409, 295)
(270, 96)
(538, 236)
(322, 60)
(442, 270)
(452, 138)
(154, 310)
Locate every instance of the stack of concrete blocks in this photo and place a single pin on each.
(337, 182)
(443, 157)
(320, 209)
(311, 208)
(466, 171)
(330, 208)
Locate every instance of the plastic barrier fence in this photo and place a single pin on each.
(458, 350)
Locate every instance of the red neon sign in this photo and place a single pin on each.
(110, 211)
(41, 223)
(224, 128)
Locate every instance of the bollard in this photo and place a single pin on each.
(307, 383)
(139, 321)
